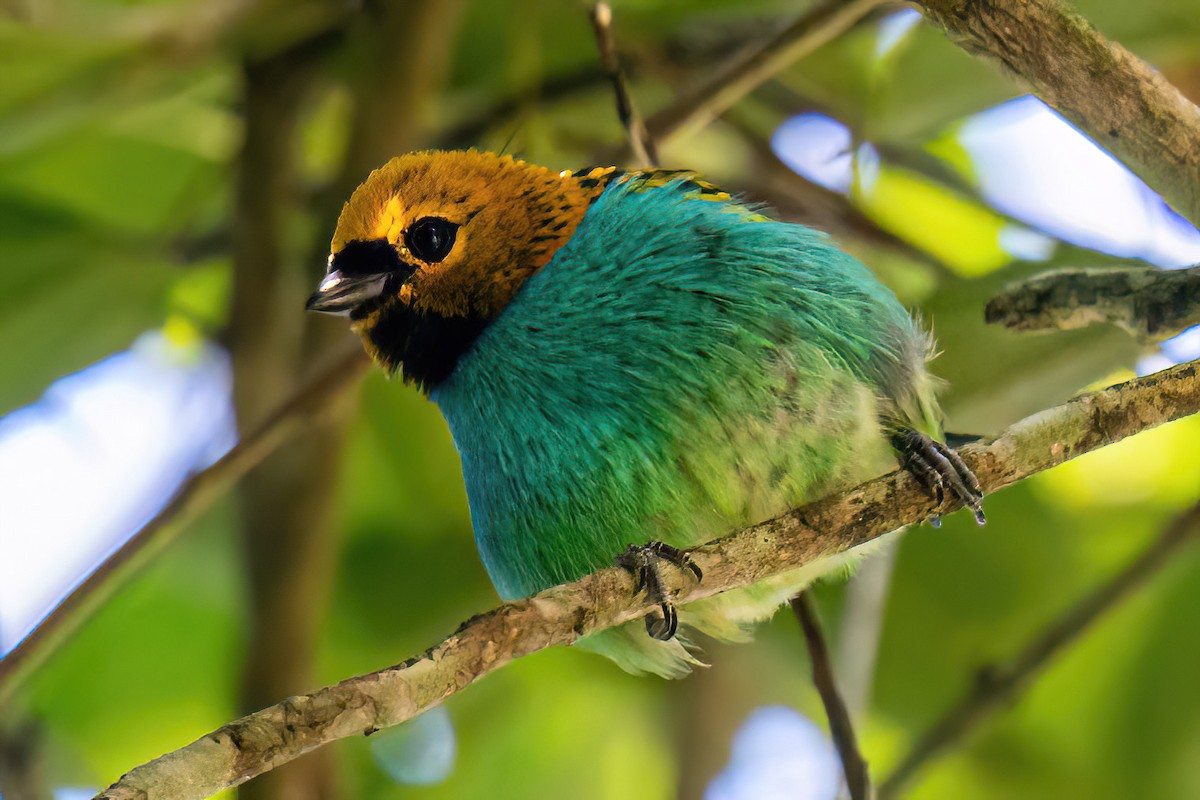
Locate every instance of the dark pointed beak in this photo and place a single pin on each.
(341, 294)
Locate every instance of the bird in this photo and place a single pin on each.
(632, 363)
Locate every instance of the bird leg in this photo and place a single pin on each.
(939, 469)
(644, 562)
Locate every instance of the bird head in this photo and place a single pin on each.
(434, 245)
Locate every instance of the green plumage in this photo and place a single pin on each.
(681, 368)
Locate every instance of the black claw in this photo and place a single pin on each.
(926, 474)
(644, 562)
(643, 579)
(964, 471)
(938, 467)
(663, 628)
(676, 556)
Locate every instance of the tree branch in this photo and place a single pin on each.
(998, 685)
(858, 779)
(285, 503)
(261, 741)
(635, 127)
(1151, 304)
(801, 200)
(193, 498)
(331, 376)
(1123, 103)
(22, 767)
(741, 75)
(208, 486)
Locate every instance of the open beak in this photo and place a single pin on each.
(341, 294)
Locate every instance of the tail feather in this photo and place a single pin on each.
(635, 652)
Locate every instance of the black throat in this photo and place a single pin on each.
(424, 345)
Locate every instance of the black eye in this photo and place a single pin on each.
(431, 239)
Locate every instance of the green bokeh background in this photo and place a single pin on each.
(120, 125)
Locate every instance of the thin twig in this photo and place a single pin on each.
(1122, 102)
(996, 687)
(561, 615)
(193, 498)
(1151, 304)
(741, 75)
(858, 779)
(635, 128)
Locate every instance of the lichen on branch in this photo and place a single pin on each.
(1150, 304)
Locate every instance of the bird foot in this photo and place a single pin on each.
(939, 469)
(645, 562)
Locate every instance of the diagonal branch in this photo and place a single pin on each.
(561, 615)
(1151, 304)
(998, 685)
(194, 497)
(1122, 102)
(710, 99)
(854, 768)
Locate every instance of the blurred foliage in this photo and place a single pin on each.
(120, 125)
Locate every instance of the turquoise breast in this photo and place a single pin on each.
(681, 367)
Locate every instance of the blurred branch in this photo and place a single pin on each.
(787, 102)
(927, 165)
(801, 200)
(193, 498)
(1123, 103)
(635, 127)
(285, 502)
(264, 325)
(737, 78)
(262, 28)
(561, 615)
(711, 97)
(335, 373)
(858, 779)
(997, 686)
(1151, 304)
(468, 131)
(398, 54)
(22, 776)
